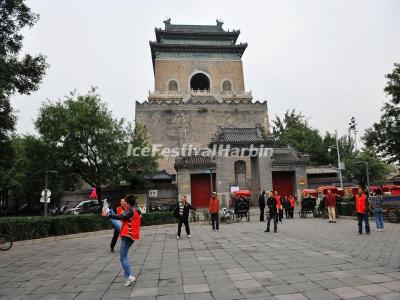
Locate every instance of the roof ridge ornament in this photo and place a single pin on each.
(220, 23)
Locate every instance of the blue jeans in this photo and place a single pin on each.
(126, 243)
(363, 217)
(378, 218)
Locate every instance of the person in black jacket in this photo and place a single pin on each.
(273, 211)
(182, 214)
(261, 204)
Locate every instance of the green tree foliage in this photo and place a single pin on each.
(25, 178)
(293, 130)
(384, 135)
(18, 73)
(90, 142)
(378, 170)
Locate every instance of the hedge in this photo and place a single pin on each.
(26, 228)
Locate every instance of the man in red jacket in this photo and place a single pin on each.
(330, 204)
(130, 231)
(213, 209)
(361, 202)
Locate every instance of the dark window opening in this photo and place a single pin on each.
(173, 86)
(200, 81)
(226, 86)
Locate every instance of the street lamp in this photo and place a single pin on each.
(366, 170)
(338, 156)
(46, 179)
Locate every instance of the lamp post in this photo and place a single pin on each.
(338, 156)
(46, 180)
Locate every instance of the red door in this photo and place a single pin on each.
(200, 189)
(283, 183)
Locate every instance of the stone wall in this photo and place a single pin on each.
(174, 125)
(183, 70)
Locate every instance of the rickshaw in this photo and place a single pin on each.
(308, 202)
(241, 204)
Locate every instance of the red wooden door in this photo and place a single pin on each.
(283, 183)
(200, 189)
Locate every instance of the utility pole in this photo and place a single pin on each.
(339, 162)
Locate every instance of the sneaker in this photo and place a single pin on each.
(334, 221)
(330, 221)
(359, 233)
(111, 249)
(216, 230)
(189, 236)
(381, 229)
(129, 281)
(106, 206)
(267, 230)
(178, 237)
(377, 229)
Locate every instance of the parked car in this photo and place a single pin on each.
(85, 207)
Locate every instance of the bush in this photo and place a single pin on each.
(26, 228)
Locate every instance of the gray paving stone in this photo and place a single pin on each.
(196, 288)
(320, 294)
(281, 289)
(373, 289)
(347, 292)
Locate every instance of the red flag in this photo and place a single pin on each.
(93, 194)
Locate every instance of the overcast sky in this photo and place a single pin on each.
(326, 59)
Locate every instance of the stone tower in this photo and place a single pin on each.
(198, 86)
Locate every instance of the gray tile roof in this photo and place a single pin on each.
(208, 99)
(240, 136)
(194, 161)
(288, 156)
(316, 170)
(162, 175)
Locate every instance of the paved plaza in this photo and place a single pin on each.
(306, 259)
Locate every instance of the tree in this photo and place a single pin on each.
(377, 169)
(293, 130)
(25, 178)
(18, 73)
(92, 144)
(384, 136)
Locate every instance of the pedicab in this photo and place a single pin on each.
(308, 202)
(241, 204)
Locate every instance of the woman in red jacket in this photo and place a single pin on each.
(130, 231)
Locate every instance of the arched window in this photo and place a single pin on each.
(173, 86)
(226, 86)
(240, 173)
(200, 81)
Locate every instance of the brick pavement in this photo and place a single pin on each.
(306, 259)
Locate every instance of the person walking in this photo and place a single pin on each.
(361, 201)
(272, 207)
(182, 214)
(213, 209)
(279, 205)
(130, 232)
(286, 206)
(261, 204)
(376, 204)
(292, 202)
(330, 204)
(117, 224)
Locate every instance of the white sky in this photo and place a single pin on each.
(326, 59)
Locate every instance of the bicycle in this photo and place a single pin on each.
(5, 242)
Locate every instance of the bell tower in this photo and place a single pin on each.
(197, 60)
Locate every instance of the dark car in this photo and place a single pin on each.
(85, 207)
